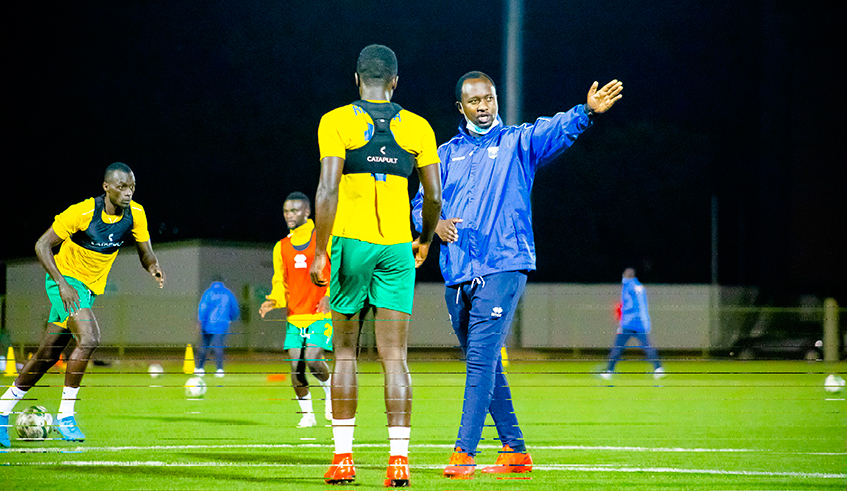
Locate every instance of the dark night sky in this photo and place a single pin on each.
(215, 106)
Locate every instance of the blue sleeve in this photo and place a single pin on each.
(417, 201)
(235, 312)
(545, 140)
(417, 209)
(203, 309)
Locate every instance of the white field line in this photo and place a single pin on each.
(123, 448)
(562, 467)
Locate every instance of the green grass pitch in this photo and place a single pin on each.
(709, 425)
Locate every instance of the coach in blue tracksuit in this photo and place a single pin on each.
(487, 171)
(218, 308)
(635, 323)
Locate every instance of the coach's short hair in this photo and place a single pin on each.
(115, 167)
(470, 75)
(376, 63)
(298, 196)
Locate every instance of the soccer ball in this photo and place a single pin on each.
(155, 370)
(195, 387)
(833, 383)
(34, 423)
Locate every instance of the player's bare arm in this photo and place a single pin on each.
(44, 251)
(602, 100)
(326, 204)
(149, 262)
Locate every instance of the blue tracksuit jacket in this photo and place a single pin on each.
(217, 309)
(486, 182)
(634, 315)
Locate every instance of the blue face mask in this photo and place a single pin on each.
(479, 131)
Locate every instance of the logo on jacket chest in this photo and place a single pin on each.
(492, 152)
(300, 261)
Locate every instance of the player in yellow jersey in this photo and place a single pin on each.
(90, 234)
(308, 324)
(368, 149)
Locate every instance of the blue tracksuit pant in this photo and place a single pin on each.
(643, 343)
(481, 313)
(214, 342)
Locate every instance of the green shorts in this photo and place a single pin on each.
(58, 314)
(381, 275)
(318, 334)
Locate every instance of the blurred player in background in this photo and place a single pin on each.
(218, 308)
(634, 323)
(368, 149)
(488, 247)
(309, 325)
(90, 234)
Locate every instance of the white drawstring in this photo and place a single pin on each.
(479, 280)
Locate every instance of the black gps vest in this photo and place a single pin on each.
(104, 237)
(382, 154)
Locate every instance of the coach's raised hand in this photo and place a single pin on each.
(600, 101)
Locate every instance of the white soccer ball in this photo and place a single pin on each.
(833, 383)
(195, 387)
(34, 423)
(155, 370)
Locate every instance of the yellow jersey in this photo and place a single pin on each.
(92, 238)
(374, 207)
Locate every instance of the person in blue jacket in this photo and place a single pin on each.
(487, 249)
(218, 308)
(634, 323)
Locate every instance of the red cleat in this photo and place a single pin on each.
(510, 462)
(342, 470)
(398, 472)
(461, 466)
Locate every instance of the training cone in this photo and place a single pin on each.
(60, 365)
(188, 364)
(504, 355)
(11, 368)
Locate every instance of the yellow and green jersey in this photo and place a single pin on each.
(374, 207)
(92, 239)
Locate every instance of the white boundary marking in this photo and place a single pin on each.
(80, 449)
(563, 467)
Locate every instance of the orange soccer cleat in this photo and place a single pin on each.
(509, 462)
(398, 472)
(461, 466)
(342, 470)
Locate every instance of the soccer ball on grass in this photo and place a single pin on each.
(195, 388)
(34, 423)
(833, 383)
(155, 370)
